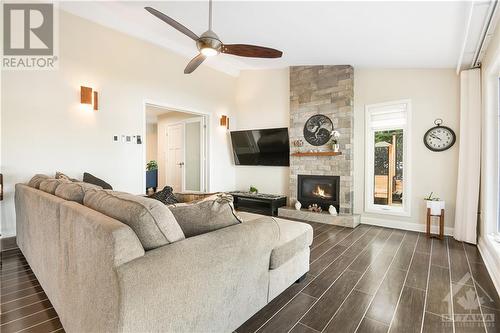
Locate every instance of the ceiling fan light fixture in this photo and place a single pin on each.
(209, 44)
(208, 52)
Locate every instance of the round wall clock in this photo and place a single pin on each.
(318, 130)
(439, 138)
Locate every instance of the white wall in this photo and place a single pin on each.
(45, 130)
(262, 101)
(434, 93)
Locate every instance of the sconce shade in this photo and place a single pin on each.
(224, 121)
(96, 100)
(85, 95)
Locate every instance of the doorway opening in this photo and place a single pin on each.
(176, 150)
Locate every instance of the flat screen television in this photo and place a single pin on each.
(261, 147)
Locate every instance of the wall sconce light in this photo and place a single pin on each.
(96, 100)
(224, 121)
(87, 96)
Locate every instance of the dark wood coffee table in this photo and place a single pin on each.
(266, 204)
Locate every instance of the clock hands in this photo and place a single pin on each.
(435, 137)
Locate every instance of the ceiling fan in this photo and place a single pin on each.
(210, 45)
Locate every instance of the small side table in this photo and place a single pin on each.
(441, 224)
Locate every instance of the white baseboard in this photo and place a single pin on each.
(448, 231)
(491, 259)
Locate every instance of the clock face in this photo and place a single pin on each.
(439, 138)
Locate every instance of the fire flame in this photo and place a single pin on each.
(319, 192)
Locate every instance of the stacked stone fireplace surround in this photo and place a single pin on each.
(326, 90)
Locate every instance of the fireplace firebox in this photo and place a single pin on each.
(320, 190)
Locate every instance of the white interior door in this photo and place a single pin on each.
(175, 157)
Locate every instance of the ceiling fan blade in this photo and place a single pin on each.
(194, 63)
(244, 50)
(173, 23)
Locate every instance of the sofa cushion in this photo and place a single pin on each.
(74, 191)
(50, 185)
(36, 180)
(209, 214)
(294, 238)
(151, 220)
(91, 179)
(247, 216)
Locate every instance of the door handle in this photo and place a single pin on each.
(180, 164)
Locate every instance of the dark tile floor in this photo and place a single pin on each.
(373, 279)
(24, 306)
(368, 279)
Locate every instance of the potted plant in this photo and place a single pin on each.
(152, 175)
(253, 190)
(435, 204)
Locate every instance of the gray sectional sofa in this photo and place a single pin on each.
(99, 278)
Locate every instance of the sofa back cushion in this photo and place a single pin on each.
(50, 185)
(152, 221)
(206, 215)
(74, 191)
(36, 180)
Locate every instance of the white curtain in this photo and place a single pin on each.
(469, 159)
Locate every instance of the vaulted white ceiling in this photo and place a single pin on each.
(419, 34)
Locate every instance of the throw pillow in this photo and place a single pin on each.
(74, 191)
(91, 179)
(207, 215)
(36, 180)
(151, 220)
(50, 185)
(166, 196)
(60, 175)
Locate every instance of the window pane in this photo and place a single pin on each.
(388, 168)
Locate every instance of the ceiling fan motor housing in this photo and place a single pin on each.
(209, 40)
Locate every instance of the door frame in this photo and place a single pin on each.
(206, 147)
